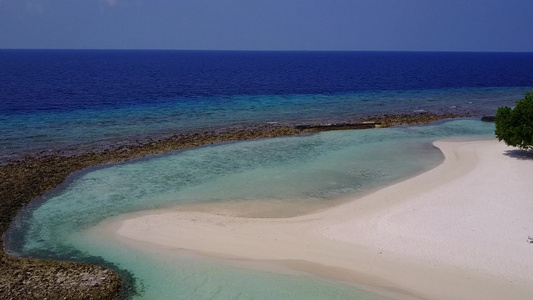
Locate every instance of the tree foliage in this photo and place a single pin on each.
(515, 125)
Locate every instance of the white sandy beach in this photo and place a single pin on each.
(458, 231)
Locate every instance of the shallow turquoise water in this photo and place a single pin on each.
(162, 276)
(306, 169)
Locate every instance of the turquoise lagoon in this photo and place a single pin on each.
(303, 170)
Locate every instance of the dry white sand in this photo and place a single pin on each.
(458, 231)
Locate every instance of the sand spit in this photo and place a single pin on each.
(23, 180)
(458, 231)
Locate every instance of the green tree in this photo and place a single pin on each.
(515, 126)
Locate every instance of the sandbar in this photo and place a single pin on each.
(458, 231)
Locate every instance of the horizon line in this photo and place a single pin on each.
(259, 50)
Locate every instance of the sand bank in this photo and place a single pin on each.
(458, 231)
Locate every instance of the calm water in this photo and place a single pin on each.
(304, 170)
(53, 99)
(78, 99)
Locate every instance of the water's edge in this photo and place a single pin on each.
(61, 170)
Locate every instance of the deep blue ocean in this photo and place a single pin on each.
(79, 100)
(56, 99)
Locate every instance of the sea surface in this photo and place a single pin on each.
(79, 100)
(82, 99)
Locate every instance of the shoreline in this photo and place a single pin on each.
(202, 136)
(27, 179)
(447, 225)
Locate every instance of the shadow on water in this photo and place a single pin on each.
(520, 154)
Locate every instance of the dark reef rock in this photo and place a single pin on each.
(488, 118)
(22, 181)
(39, 279)
(341, 126)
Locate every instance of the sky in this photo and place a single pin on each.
(360, 25)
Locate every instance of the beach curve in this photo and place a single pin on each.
(458, 231)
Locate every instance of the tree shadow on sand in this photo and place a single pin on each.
(520, 154)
